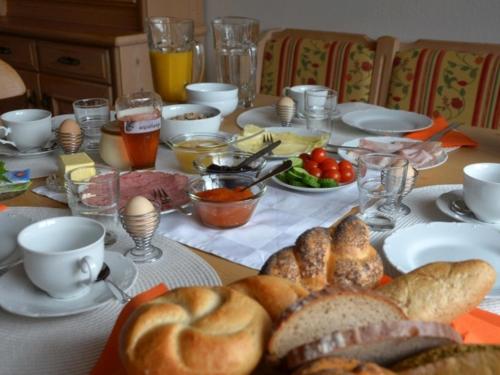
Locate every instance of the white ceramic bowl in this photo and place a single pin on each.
(222, 96)
(171, 127)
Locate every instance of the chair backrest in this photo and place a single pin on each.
(460, 81)
(349, 63)
(11, 84)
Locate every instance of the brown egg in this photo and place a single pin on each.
(138, 205)
(70, 126)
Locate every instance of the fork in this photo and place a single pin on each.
(267, 138)
(162, 196)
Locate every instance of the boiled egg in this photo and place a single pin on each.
(286, 101)
(138, 205)
(70, 126)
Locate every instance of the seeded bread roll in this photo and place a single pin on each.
(341, 366)
(342, 257)
(275, 294)
(441, 291)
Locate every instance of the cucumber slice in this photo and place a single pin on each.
(328, 182)
(310, 181)
(297, 162)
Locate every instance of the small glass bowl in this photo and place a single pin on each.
(187, 147)
(229, 159)
(224, 215)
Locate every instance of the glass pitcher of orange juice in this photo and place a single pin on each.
(176, 58)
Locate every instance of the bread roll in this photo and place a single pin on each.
(342, 257)
(441, 291)
(342, 366)
(275, 294)
(196, 331)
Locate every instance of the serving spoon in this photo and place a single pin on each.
(286, 165)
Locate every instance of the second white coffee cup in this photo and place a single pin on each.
(27, 128)
(482, 190)
(63, 255)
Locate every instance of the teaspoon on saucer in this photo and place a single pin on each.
(119, 294)
(459, 207)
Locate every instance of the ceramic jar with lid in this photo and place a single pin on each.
(112, 148)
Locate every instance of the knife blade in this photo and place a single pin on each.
(441, 133)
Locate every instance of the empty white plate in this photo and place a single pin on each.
(420, 244)
(387, 121)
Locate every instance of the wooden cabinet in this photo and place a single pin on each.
(70, 49)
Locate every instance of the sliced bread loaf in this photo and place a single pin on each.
(384, 343)
(453, 359)
(342, 366)
(326, 311)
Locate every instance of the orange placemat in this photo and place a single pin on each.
(109, 362)
(475, 327)
(451, 139)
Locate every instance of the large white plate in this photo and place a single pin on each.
(311, 190)
(303, 132)
(420, 244)
(19, 296)
(387, 121)
(352, 157)
(10, 226)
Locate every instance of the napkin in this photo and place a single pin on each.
(109, 362)
(475, 327)
(451, 139)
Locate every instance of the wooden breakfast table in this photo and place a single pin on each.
(448, 173)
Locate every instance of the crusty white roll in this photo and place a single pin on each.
(341, 257)
(196, 330)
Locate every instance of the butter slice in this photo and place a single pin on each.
(68, 162)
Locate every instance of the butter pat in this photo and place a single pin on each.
(68, 162)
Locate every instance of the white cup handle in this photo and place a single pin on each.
(87, 265)
(285, 91)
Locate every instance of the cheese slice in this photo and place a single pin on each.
(69, 162)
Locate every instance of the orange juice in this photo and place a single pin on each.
(171, 72)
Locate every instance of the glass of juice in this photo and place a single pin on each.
(139, 115)
(176, 58)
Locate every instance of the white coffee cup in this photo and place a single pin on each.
(482, 190)
(297, 95)
(63, 255)
(26, 129)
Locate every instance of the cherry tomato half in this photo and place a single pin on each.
(330, 173)
(328, 164)
(345, 165)
(309, 164)
(318, 154)
(304, 156)
(346, 176)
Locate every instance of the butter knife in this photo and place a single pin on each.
(441, 133)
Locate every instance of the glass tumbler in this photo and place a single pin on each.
(139, 115)
(91, 114)
(320, 105)
(235, 43)
(381, 181)
(93, 192)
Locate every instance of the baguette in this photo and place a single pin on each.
(441, 291)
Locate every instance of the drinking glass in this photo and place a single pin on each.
(177, 59)
(91, 114)
(381, 180)
(320, 105)
(139, 115)
(235, 42)
(93, 192)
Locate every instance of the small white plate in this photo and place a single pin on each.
(311, 190)
(10, 226)
(387, 121)
(444, 204)
(420, 244)
(351, 156)
(19, 296)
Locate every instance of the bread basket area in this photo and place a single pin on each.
(322, 306)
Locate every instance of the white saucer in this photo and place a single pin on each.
(10, 226)
(12, 152)
(444, 204)
(19, 296)
(264, 117)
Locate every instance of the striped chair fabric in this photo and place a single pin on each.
(463, 87)
(346, 67)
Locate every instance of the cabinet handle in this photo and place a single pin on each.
(5, 51)
(67, 60)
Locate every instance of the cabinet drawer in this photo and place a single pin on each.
(19, 52)
(59, 93)
(76, 61)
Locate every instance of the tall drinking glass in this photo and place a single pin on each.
(235, 42)
(320, 105)
(381, 180)
(176, 57)
(93, 192)
(91, 114)
(139, 115)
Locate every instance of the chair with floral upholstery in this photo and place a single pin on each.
(349, 63)
(459, 81)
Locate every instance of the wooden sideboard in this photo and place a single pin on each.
(70, 49)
